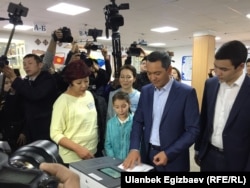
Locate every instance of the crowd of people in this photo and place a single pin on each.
(152, 117)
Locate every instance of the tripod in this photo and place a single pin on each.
(116, 44)
(113, 21)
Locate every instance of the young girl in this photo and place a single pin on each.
(119, 127)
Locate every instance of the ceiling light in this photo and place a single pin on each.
(157, 44)
(104, 38)
(217, 38)
(164, 29)
(248, 16)
(65, 8)
(18, 27)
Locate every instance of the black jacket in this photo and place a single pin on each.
(12, 119)
(39, 96)
(101, 108)
(141, 80)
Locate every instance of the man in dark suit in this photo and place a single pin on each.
(166, 122)
(224, 142)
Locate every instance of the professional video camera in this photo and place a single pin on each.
(113, 19)
(67, 37)
(134, 50)
(21, 170)
(3, 61)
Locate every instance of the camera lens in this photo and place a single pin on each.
(32, 155)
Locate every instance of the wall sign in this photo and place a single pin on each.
(41, 28)
(186, 68)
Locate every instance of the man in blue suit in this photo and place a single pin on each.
(224, 142)
(166, 122)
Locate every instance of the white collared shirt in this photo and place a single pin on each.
(123, 121)
(225, 100)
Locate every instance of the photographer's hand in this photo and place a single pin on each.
(88, 47)
(96, 67)
(59, 34)
(196, 159)
(105, 53)
(75, 47)
(143, 51)
(21, 139)
(67, 178)
(9, 73)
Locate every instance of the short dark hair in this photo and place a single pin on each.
(160, 56)
(144, 59)
(121, 95)
(129, 67)
(42, 57)
(36, 57)
(234, 50)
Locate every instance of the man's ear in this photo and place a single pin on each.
(40, 65)
(242, 65)
(169, 69)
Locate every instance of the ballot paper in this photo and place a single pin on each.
(138, 168)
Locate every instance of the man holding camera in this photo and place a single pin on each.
(38, 90)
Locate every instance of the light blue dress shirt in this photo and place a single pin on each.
(160, 99)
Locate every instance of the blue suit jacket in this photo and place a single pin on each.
(179, 126)
(236, 134)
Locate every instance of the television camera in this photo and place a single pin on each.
(113, 21)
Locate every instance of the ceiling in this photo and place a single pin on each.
(223, 18)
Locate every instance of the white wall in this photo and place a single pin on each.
(179, 52)
(30, 42)
(30, 45)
